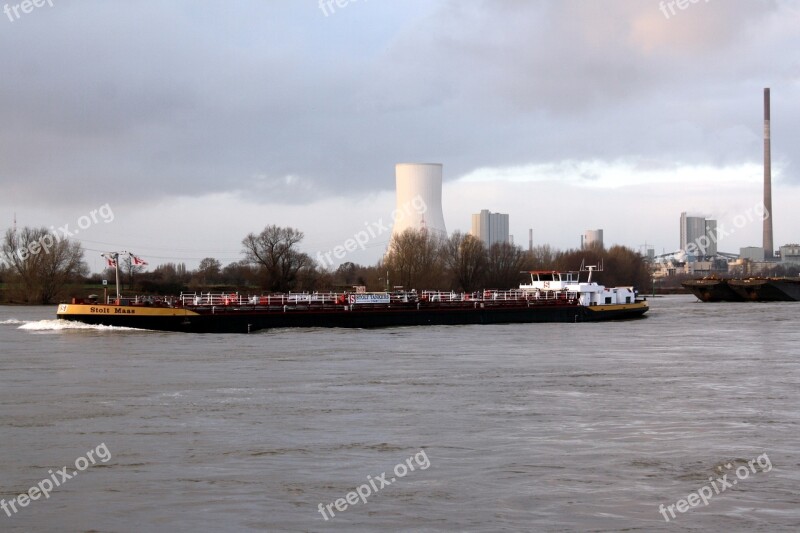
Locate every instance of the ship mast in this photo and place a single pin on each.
(591, 269)
(114, 256)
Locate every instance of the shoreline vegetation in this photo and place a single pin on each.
(273, 263)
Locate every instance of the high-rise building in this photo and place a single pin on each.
(698, 236)
(490, 228)
(711, 235)
(592, 238)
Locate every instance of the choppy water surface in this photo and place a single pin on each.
(537, 427)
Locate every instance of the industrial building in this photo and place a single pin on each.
(752, 253)
(419, 198)
(698, 236)
(790, 254)
(490, 228)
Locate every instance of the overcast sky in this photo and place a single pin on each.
(198, 122)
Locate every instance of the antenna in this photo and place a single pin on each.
(591, 269)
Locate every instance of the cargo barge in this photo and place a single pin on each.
(712, 290)
(550, 297)
(745, 289)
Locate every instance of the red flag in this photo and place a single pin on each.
(138, 261)
(111, 263)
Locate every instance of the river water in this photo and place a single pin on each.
(540, 427)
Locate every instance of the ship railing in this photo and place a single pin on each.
(336, 298)
(167, 301)
(512, 295)
(146, 300)
(237, 299)
(448, 296)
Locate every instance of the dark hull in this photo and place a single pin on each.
(243, 320)
(789, 287)
(767, 290)
(745, 290)
(713, 290)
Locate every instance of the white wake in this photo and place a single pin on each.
(61, 325)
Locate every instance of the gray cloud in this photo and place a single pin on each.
(129, 102)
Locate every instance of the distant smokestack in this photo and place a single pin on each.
(769, 249)
(530, 240)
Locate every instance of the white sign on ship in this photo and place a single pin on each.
(370, 298)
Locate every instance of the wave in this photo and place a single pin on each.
(11, 322)
(61, 325)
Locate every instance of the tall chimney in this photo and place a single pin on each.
(530, 240)
(769, 249)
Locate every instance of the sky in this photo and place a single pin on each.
(196, 123)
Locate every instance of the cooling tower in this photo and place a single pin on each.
(592, 238)
(419, 198)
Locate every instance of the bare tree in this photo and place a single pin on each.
(168, 272)
(624, 266)
(239, 274)
(413, 260)
(42, 263)
(346, 273)
(621, 265)
(274, 250)
(505, 261)
(208, 271)
(541, 257)
(464, 257)
(129, 270)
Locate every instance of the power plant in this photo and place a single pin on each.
(419, 198)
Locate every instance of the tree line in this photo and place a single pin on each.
(273, 262)
(462, 262)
